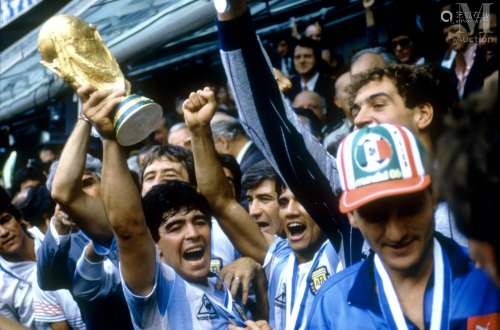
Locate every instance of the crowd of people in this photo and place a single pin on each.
(303, 195)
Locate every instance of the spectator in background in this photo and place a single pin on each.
(307, 64)
(341, 100)
(179, 136)
(313, 102)
(160, 136)
(469, 175)
(369, 58)
(341, 96)
(226, 101)
(230, 138)
(314, 31)
(164, 163)
(281, 56)
(37, 206)
(465, 61)
(402, 35)
(325, 120)
(29, 176)
(47, 154)
(262, 186)
(404, 46)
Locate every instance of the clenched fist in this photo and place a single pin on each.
(199, 108)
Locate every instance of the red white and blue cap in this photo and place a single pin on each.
(379, 161)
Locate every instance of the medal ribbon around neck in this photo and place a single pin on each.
(389, 301)
(295, 311)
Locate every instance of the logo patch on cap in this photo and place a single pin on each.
(373, 153)
(379, 161)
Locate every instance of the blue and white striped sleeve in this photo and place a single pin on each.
(94, 279)
(149, 311)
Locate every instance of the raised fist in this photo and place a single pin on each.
(199, 108)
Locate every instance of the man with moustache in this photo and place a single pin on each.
(415, 278)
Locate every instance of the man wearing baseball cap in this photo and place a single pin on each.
(415, 277)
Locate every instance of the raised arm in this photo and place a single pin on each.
(67, 189)
(198, 110)
(295, 154)
(122, 202)
(371, 28)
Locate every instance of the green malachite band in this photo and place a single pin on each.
(124, 105)
(125, 114)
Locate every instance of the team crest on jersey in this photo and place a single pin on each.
(484, 322)
(373, 152)
(216, 265)
(318, 277)
(207, 310)
(280, 299)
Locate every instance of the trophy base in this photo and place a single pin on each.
(136, 117)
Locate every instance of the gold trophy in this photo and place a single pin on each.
(75, 51)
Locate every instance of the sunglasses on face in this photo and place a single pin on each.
(403, 43)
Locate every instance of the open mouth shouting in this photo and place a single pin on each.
(194, 254)
(295, 230)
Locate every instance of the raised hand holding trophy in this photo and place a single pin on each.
(75, 51)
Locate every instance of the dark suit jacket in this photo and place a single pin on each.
(251, 156)
(324, 87)
(478, 72)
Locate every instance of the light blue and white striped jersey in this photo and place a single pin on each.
(175, 304)
(303, 281)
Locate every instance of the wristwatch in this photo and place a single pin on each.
(221, 6)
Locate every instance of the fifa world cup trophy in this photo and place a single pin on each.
(75, 51)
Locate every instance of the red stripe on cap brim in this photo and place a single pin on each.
(351, 200)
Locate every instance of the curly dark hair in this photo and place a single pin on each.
(173, 153)
(417, 85)
(172, 196)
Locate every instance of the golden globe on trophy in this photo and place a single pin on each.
(75, 51)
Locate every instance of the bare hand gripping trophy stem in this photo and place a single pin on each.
(74, 50)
